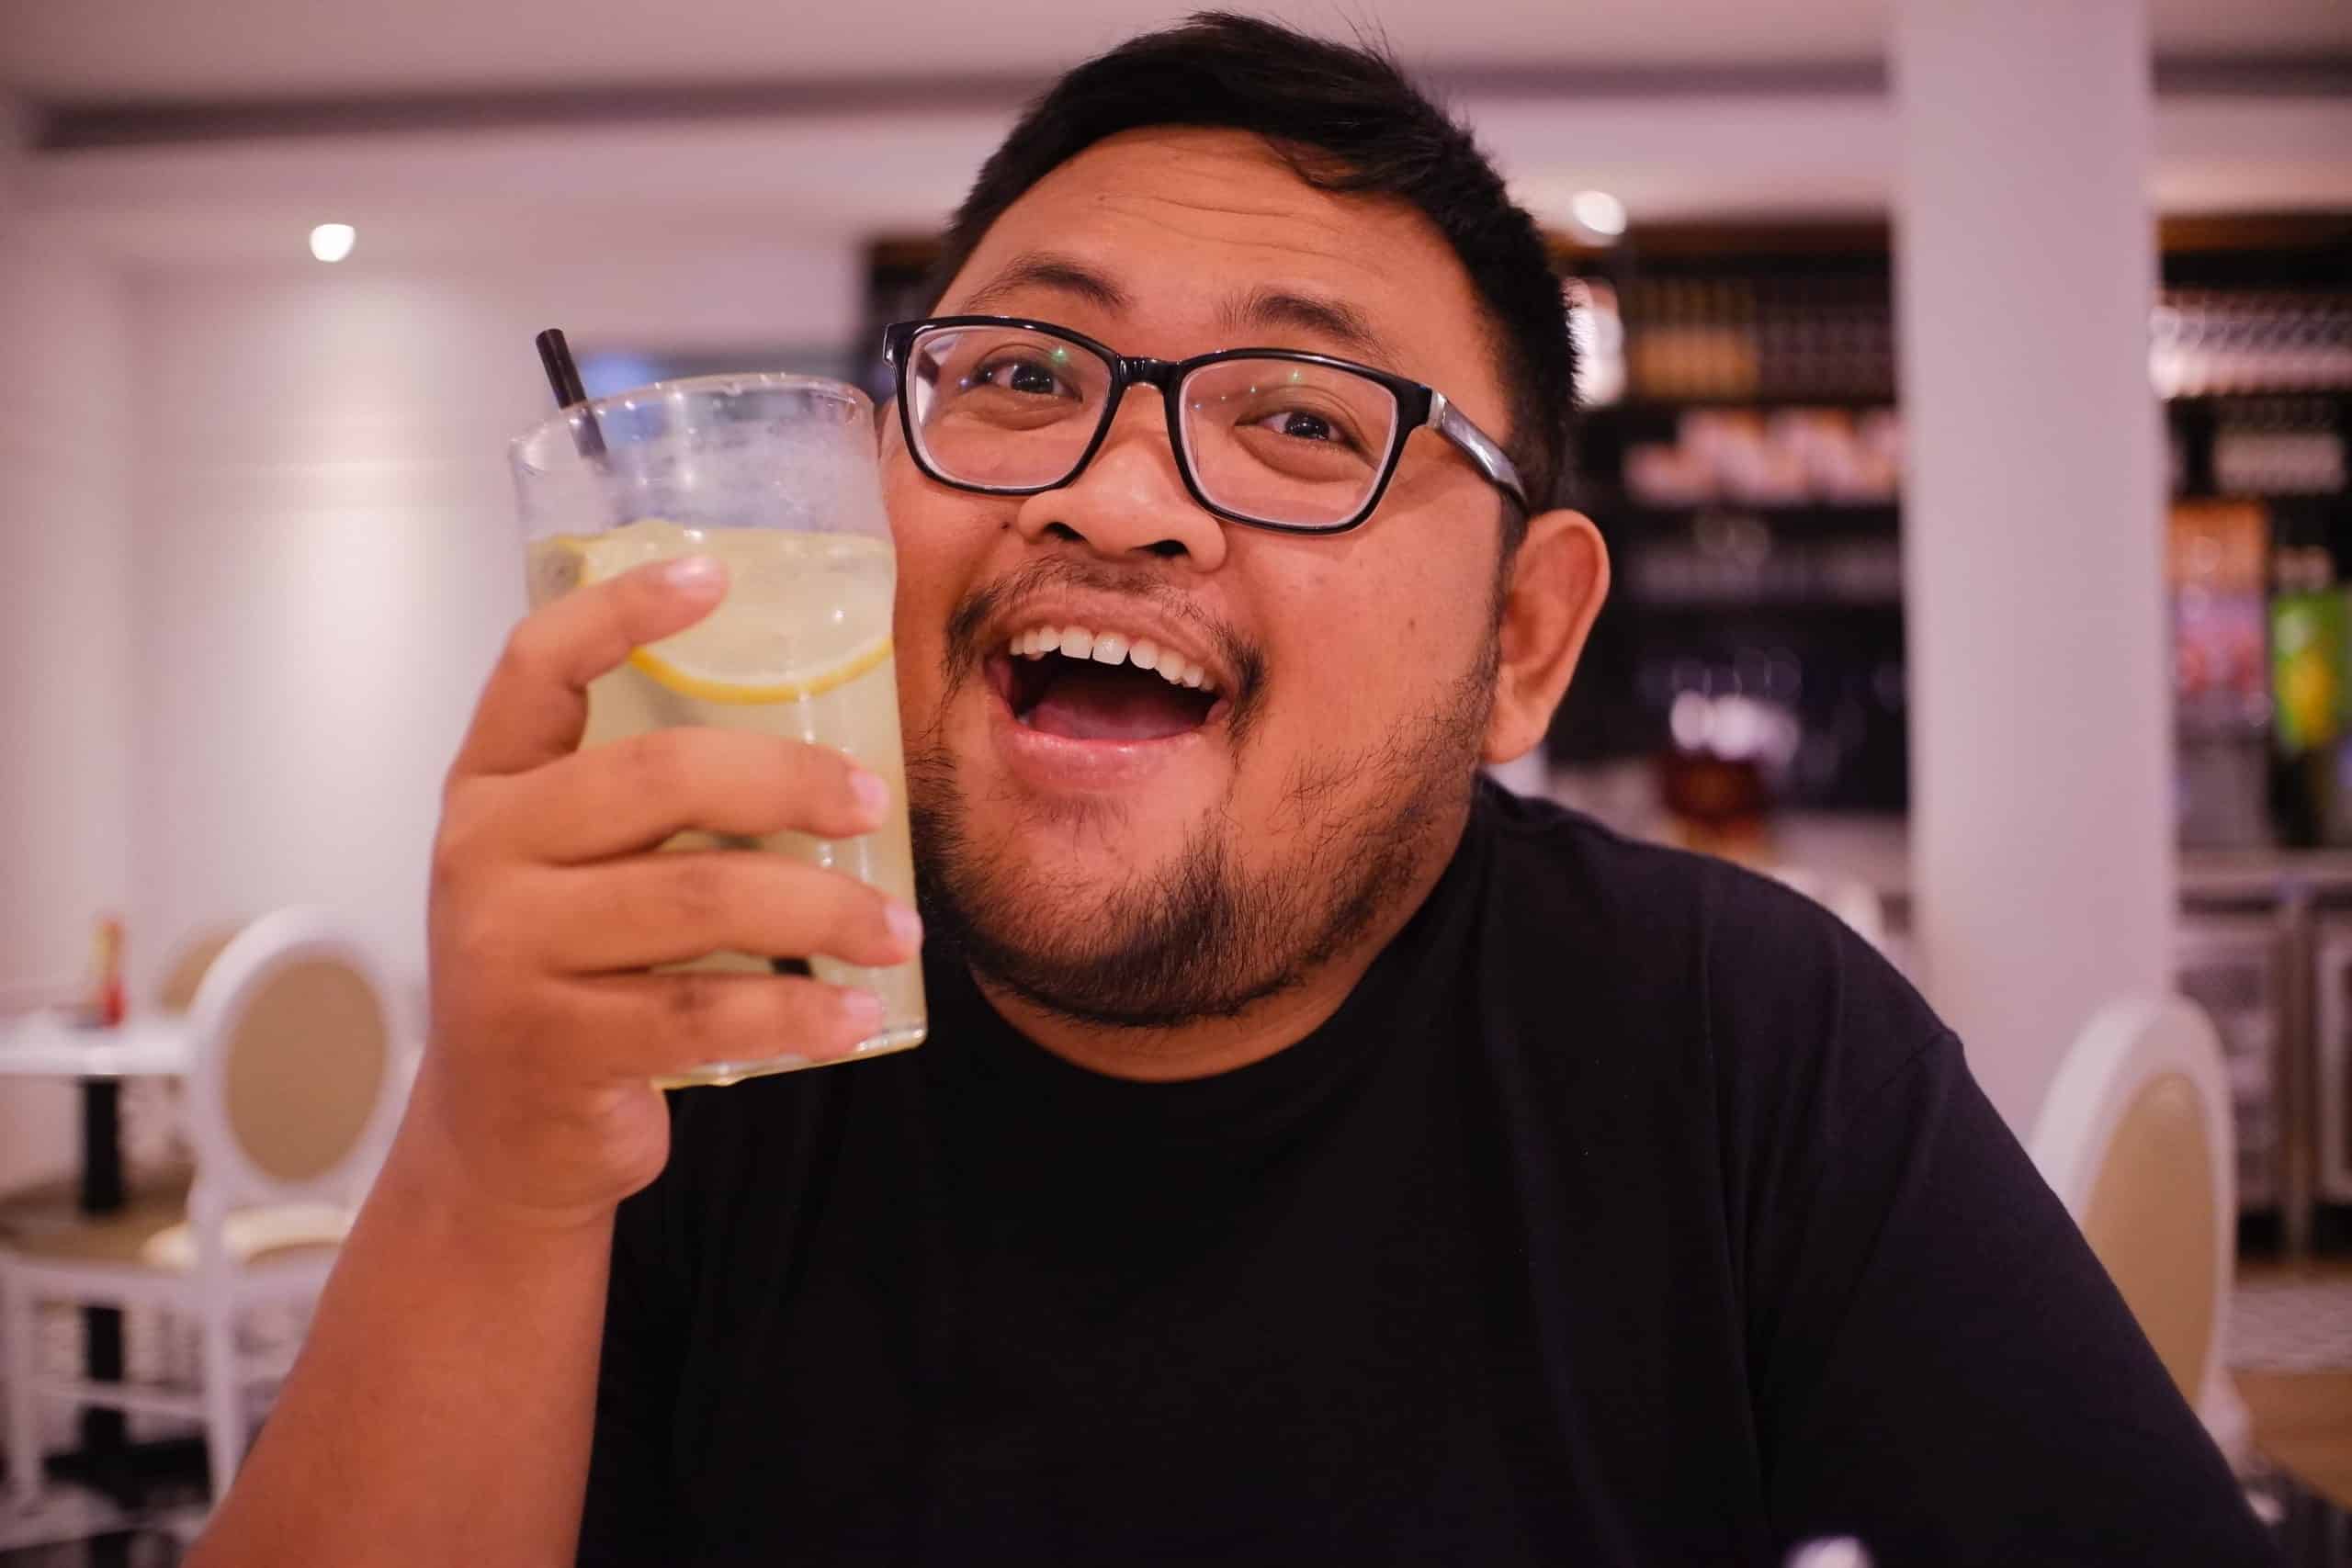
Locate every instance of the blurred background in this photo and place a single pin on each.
(1968, 390)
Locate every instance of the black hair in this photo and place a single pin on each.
(1347, 119)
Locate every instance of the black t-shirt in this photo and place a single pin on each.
(1631, 1210)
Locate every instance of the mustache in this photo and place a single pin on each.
(984, 605)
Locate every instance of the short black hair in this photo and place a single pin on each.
(1348, 119)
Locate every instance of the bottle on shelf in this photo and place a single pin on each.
(2308, 653)
(2215, 564)
(2217, 342)
(2278, 445)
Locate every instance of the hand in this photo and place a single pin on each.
(550, 905)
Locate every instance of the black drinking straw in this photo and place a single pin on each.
(563, 375)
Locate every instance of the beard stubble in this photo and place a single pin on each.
(1221, 924)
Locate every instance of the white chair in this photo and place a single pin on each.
(2135, 1138)
(292, 1094)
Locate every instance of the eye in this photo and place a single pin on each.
(1301, 425)
(1027, 376)
(1310, 426)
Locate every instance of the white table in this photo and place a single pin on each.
(48, 1044)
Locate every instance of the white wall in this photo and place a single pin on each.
(67, 444)
(324, 555)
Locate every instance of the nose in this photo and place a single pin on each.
(1130, 501)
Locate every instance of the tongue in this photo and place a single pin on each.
(1102, 704)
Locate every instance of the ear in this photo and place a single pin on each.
(1556, 585)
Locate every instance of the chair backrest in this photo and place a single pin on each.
(191, 961)
(2135, 1138)
(295, 1082)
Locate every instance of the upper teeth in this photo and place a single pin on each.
(1110, 647)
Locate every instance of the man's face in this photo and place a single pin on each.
(1104, 844)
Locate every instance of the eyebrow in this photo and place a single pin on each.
(1260, 309)
(1042, 269)
(1334, 319)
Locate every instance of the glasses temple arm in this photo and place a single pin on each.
(1477, 446)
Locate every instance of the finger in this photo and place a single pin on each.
(635, 793)
(638, 1026)
(677, 905)
(535, 702)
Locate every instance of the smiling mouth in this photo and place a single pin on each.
(1082, 688)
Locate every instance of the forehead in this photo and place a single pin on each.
(1191, 224)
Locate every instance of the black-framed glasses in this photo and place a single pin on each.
(1270, 437)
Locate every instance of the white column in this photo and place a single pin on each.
(2041, 749)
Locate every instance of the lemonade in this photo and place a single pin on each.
(800, 648)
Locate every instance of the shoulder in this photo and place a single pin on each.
(1690, 957)
(1650, 908)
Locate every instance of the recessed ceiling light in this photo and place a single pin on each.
(1597, 211)
(333, 242)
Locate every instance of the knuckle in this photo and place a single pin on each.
(698, 892)
(787, 795)
(838, 772)
(480, 937)
(808, 774)
(460, 844)
(852, 918)
(496, 1021)
(804, 1010)
(870, 907)
(694, 1003)
(820, 767)
(657, 761)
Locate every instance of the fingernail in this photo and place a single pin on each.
(693, 571)
(905, 925)
(861, 1010)
(871, 792)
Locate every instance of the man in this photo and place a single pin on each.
(1317, 1157)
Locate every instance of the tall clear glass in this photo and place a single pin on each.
(775, 475)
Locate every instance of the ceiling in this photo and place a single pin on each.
(219, 130)
(90, 53)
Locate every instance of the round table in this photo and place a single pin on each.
(48, 1044)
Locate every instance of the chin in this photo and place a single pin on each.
(1080, 842)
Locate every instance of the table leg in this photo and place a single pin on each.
(106, 1459)
(101, 1146)
(103, 1431)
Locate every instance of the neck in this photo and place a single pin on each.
(1209, 1046)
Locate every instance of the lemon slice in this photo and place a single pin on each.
(689, 682)
(804, 612)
